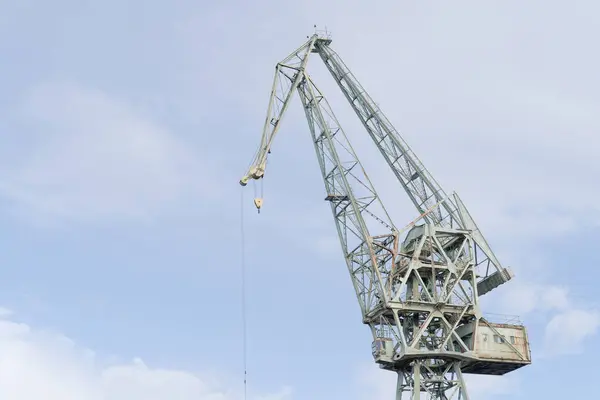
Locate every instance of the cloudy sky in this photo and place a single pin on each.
(125, 127)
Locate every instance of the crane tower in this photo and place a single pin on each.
(418, 286)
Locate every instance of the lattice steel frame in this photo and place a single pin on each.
(416, 293)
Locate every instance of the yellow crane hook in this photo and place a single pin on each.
(258, 203)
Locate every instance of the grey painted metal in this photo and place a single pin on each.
(436, 381)
(288, 74)
(419, 184)
(355, 206)
(417, 287)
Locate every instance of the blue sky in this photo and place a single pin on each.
(124, 130)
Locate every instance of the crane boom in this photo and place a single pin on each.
(426, 194)
(418, 288)
(355, 205)
(418, 183)
(288, 74)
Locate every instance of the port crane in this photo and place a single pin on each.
(418, 286)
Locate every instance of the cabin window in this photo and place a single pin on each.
(498, 339)
(512, 340)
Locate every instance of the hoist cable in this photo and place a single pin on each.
(243, 294)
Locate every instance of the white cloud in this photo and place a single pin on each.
(41, 365)
(5, 312)
(567, 331)
(554, 297)
(94, 157)
(519, 297)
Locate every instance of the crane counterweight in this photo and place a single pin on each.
(418, 288)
